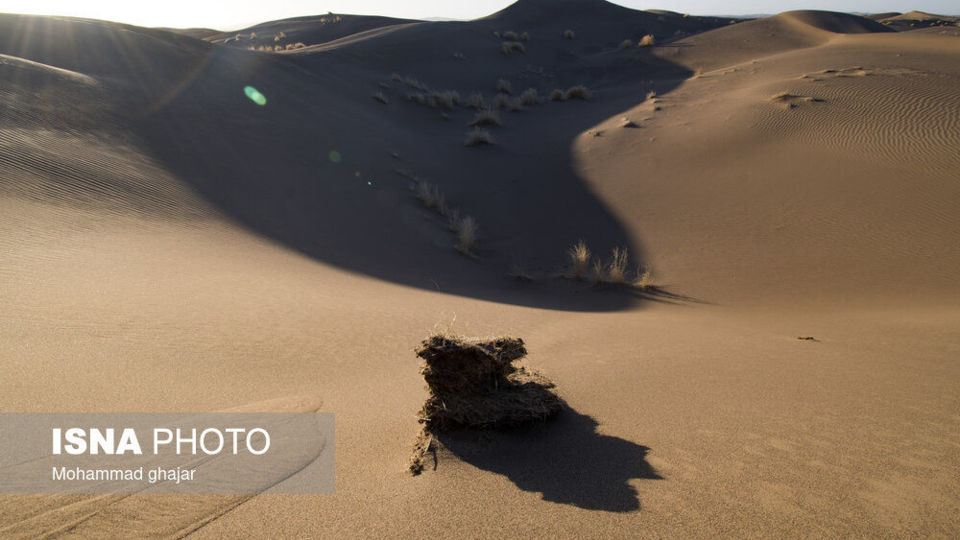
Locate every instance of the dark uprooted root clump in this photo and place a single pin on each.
(473, 384)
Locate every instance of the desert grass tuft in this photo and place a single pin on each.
(511, 36)
(475, 101)
(579, 260)
(486, 117)
(466, 235)
(430, 196)
(508, 47)
(502, 101)
(448, 99)
(625, 44)
(647, 41)
(380, 97)
(504, 87)
(569, 34)
(478, 137)
(557, 95)
(577, 92)
(643, 280)
(529, 97)
(617, 267)
(525, 36)
(651, 94)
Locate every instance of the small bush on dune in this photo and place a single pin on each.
(577, 92)
(448, 100)
(475, 101)
(557, 95)
(579, 260)
(525, 36)
(503, 86)
(486, 117)
(430, 196)
(644, 280)
(478, 137)
(617, 267)
(395, 76)
(380, 97)
(467, 235)
(511, 36)
(625, 44)
(508, 47)
(417, 97)
(569, 34)
(529, 97)
(502, 101)
(647, 41)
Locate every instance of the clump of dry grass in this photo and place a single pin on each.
(486, 117)
(529, 97)
(459, 56)
(380, 97)
(510, 36)
(417, 97)
(569, 34)
(504, 86)
(625, 44)
(502, 101)
(651, 94)
(474, 384)
(557, 95)
(395, 76)
(647, 41)
(448, 99)
(617, 267)
(466, 234)
(430, 196)
(643, 280)
(478, 137)
(577, 92)
(475, 101)
(508, 47)
(525, 36)
(579, 260)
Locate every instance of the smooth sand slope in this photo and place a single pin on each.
(167, 244)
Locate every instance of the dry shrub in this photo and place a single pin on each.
(475, 101)
(577, 92)
(486, 117)
(625, 44)
(466, 234)
(395, 76)
(448, 99)
(525, 36)
(508, 47)
(557, 95)
(502, 101)
(617, 267)
(430, 196)
(380, 97)
(478, 137)
(647, 41)
(579, 260)
(510, 36)
(473, 384)
(504, 86)
(529, 97)
(643, 280)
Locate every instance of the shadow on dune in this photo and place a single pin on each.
(566, 460)
(315, 166)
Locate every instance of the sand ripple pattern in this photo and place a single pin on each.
(901, 118)
(89, 171)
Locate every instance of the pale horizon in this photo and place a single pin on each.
(243, 13)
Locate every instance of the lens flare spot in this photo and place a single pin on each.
(255, 95)
(370, 182)
(335, 156)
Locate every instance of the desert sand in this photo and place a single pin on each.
(167, 243)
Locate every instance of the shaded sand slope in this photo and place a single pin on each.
(167, 244)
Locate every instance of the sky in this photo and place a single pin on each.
(235, 14)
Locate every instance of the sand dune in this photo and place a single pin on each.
(170, 244)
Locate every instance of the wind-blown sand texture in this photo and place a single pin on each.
(167, 244)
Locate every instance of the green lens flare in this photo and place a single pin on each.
(335, 156)
(255, 95)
